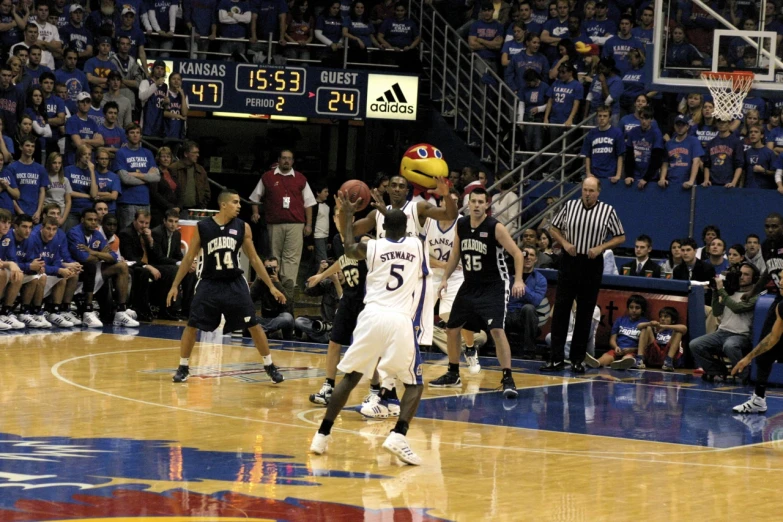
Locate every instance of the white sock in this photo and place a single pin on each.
(184, 361)
(267, 360)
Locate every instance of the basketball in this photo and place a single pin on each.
(355, 189)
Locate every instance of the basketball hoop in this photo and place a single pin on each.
(728, 90)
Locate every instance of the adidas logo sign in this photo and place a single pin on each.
(393, 101)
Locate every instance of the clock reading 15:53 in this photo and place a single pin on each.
(337, 101)
(252, 78)
(204, 94)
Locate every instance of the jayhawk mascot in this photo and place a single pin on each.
(420, 165)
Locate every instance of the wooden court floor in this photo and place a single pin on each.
(91, 427)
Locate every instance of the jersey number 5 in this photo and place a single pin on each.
(472, 263)
(226, 261)
(397, 277)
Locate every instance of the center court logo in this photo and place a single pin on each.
(392, 97)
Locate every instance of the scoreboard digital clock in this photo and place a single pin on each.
(311, 92)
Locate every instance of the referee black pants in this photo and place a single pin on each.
(579, 278)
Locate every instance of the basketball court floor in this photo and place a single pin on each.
(93, 428)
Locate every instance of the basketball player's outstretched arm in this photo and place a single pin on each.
(193, 249)
(764, 345)
(505, 240)
(353, 249)
(367, 223)
(258, 266)
(449, 210)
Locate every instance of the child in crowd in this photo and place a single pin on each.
(624, 341)
(661, 340)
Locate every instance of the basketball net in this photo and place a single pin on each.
(728, 90)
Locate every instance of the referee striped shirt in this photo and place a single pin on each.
(586, 228)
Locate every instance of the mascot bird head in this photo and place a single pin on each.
(421, 164)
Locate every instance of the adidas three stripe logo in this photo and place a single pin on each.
(393, 95)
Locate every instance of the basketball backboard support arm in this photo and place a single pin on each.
(765, 84)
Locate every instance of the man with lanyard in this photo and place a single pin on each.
(581, 227)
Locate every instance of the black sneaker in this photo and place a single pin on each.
(447, 380)
(509, 387)
(183, 372)
(273, 374)
(324, 396)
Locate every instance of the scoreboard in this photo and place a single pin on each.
(310, 92)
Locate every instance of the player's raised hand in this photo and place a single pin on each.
(172, 296)
(347, 206)
(377, 201)
(277, 294)
(441, 187)
(518, 290)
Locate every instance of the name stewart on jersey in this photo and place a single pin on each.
(405, 256)
(221, 242)
(473, 244)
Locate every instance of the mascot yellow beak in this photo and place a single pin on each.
(422, 163)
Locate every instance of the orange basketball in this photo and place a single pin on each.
(355, 189)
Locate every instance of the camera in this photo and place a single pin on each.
(271, 270)
(731, 281)
(321, 326)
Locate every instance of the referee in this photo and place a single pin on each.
(581, 227)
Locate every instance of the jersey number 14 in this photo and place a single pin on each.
(227, 261)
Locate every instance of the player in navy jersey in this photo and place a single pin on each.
(482, 298)
(222, 288)
(348, 309)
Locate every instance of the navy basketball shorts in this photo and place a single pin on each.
(227, 297)
(478, 308)
(348, 310)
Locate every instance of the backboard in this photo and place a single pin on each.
(696, 35)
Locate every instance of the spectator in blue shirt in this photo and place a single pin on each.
(527, 19)
(486, 36)
(80, 129)
(74, 79)
(98, 67)
(604, 148)
(529, 59)
(684, 157)
(724, 158)
(200, 16)
(113, 135)
(606, 90)
(644, 151)
(130, 29)
(109, 185)
(760, 162)
(84, 185)
(360, 33)
(76, 36)
(514, 46)
(9, 191)
(644, 31)
(234, 17)
(522, 316)
(600, 28)
(533, 102)
(554, 30)
(401, 34)
(329, 31)
(619, 45)
(268, 18)
(680, 54)
(565, 95)
(11, 101)
(137, 169)
(32, 180)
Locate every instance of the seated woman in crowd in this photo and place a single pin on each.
(736, 255)
(359, 32)
(673, 258)
(299, 30)
(624, 340)
(329, 31)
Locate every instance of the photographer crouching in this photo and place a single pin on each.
(275, 317)
(732, 338)
(330, 290)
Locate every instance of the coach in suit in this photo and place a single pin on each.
(151, 278)
(167, 242)
(643, 263)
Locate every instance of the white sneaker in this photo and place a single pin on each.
(15, 323)
(28, 320)
(755, 404)
(41, 322)
(72, 317)
(319, 444)
(90, 320)
(123, 319)
(4, 324)
(397, 444)
(58, 320)
(372, 408)
(473, 362)
(131, 313)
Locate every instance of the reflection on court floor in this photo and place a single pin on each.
(91, 427)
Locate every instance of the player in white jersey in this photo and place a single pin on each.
(384, 334)
(417, 215)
